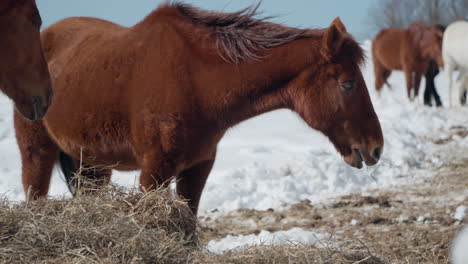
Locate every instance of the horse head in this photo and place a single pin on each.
(24, 76)
(333, 98)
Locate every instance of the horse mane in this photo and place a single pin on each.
(239, 35)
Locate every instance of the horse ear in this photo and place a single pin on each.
(339, 24)
(333, 39)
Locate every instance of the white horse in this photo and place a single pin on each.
(455, 55)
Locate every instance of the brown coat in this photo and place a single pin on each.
(159, 96)
(409, 50)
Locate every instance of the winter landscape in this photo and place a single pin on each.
(274, 162)
(279, 191)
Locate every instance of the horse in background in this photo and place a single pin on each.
(160, 95)
(455, 54)
(431, 92)
(24, 76)
(409, 50)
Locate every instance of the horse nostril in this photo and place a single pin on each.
(35, 100)
(377, 152)
(50, 96)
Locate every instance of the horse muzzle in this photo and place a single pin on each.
(37, 108)
(368, 155)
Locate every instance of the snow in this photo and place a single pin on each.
(460, 212)
(460, 248)
(293, 236)
(275, 159)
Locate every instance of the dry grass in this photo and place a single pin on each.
(112, 226)
(290, 255)
(116, 226)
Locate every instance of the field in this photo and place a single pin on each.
(281, 185)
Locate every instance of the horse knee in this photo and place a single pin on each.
(38, 156)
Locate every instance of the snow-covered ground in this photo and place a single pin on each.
(460, 248)
(276, 159)
(294, 236)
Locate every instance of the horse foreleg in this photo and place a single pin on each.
(428, 92)
(156, 170)
(449, 71)
(190, 183)
(38, 155)
(436, 96)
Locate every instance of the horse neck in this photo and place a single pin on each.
(251, 88)
(228, 93)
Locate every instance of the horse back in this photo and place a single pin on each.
(387, 47)
(455, 41)
(67, 32)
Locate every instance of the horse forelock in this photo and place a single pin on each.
(353, 50)
(239, 35)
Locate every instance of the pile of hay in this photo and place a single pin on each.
(112, 226)
(117, 226)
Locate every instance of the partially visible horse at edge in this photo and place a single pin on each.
(409, 50)
(455, 54)
(160, 95)
(24, 76)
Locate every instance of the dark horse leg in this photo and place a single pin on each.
(93, 178)
(463, 95)
(190, 183)
(417, 84)
(38, 154)
(463, 99)
(431, 90)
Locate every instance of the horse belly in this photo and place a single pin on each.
(97, 141)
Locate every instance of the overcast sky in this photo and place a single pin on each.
(298, 13)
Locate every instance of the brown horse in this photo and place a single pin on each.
(24, 76)
(160, 95)
(409, 50)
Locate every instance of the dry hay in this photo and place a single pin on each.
(291, 255)
(116, 226)
(111, 226)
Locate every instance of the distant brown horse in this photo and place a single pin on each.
(409, 50)
(160, 95)
(24, 76)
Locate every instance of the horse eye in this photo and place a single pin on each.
(348, 86)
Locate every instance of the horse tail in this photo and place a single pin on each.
(379, 69)
(68, 166)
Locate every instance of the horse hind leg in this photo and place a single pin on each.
(409, 84)
(463, 89)
(385, 74)
(38, 156)
(381, 76)
(449, 68)
(190, 183)
(81, 177)
(417, 84)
